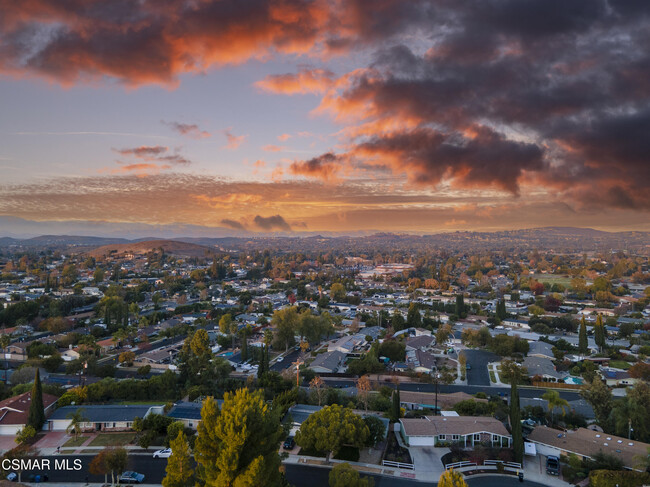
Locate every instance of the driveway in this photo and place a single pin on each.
(477, 360)
(427, 459)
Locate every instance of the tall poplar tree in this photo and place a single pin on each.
(599, 332)
(583, 344)
(179, 472)
(515, 421)
(36, 414)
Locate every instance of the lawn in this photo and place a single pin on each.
(619, 364)
(493, 377)
(75, 442)
(553, 279)
(349, 453)
(112, 439)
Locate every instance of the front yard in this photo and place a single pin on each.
(112, 439)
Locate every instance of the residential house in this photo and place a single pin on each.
(542, 367)
(110, 417)
(541, 349)
(347, 344)
(328, 362)
(465, 430)
(14, 411)
(189, 413)
(586, 443)
(410, 400)
(616, 377)
(422, 342)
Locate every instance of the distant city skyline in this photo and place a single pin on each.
(308, 116)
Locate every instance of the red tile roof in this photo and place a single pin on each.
(14, 411)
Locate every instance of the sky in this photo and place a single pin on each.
(316, 116)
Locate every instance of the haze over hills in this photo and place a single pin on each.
(561, 239)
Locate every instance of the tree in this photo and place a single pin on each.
(330, 428)
(460, 306)
(599, 332)
(318, 385)
(583, 345)
(117, 459)
(393, 349)
(98, 464)
(396, 406)
(443, 334)
(343, 475)
(179, 472)
(127, 358)
(5, 340)
(640, 370)
(337, 292)
(36, 414)
(376, 428)
(76, 420)
(363, 390)
(238, 445)
(451, 478)
(515, 423)
(413, 317)
(397, 321)
(600, 397)
(555, 401)
(25, 434)
(224, 323)
(285, 322)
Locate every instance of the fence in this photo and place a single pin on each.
(557, 385)
(505, 464)
(388, 463)
(459, 465)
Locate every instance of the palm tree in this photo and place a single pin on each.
(76, 418)
(555, 401)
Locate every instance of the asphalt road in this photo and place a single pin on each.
(286, 363)
(422, 387)
(297, 475)
(303, 476)
(478, 374)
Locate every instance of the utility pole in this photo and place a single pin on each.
(298, 363)
(437, 376)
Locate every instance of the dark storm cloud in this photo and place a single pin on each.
(269, 223)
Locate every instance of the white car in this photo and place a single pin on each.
(166, 453)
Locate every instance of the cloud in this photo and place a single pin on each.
(234, 224)
(303, 82)
(147, 42)
(284, 137)
(325, 167)
(234, 141)
(144, 151)
(269, 223)
(273, 148)
(189, 130)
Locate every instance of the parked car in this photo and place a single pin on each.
(130, 477)
(289, 443)
(552, 465)
(12, 477)
(468, 367)
(166, 453)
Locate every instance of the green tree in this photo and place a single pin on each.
(330, 428)
(238, 445)
(396, 406)
(117, 459)
(583, 345)
(451, 478)
(600, 397)
(555, 401)
(76, 421)
(25, 434)
(413, 317)
(515, 423)
(376, 428)
(397, 321)
(599, 332)
(460, 306)
(285, 321)
(343, 475)
(36, 414)
(179, 472)
(337, 292)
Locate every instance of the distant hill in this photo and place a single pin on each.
(172, 247)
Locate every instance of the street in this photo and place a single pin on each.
(477, 360)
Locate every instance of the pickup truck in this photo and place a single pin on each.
(552, 465)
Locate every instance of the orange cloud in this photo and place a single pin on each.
(273, 148)
(284, 137)
(234, 141)
(305, 81)
(189, 130)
